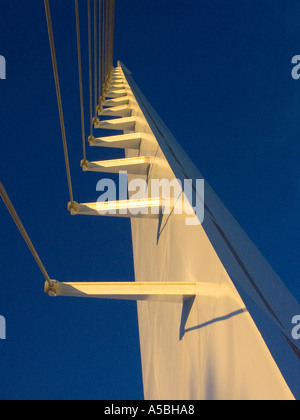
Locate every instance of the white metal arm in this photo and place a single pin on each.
(166, 292)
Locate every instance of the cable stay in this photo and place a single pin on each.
(59, 100)
(100, 82)
(90, 66)
(24, 234)
(96, 119)
(80, 78)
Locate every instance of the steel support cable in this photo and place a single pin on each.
(113, 30)
(107, 38)
(110, 38)
(107, 42)
(80, 78)
(103, 49)
(95, 59)
(23, 232)
(90, 67)
(100, 54)
(58, 94)
(111, 35)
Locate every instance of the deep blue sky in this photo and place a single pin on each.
(219, 75)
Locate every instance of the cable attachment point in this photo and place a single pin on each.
(52, 288)
(99, 108)
(84, 164)
(92, 140)
(105, 89)
(73, 208)
(96, 121)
